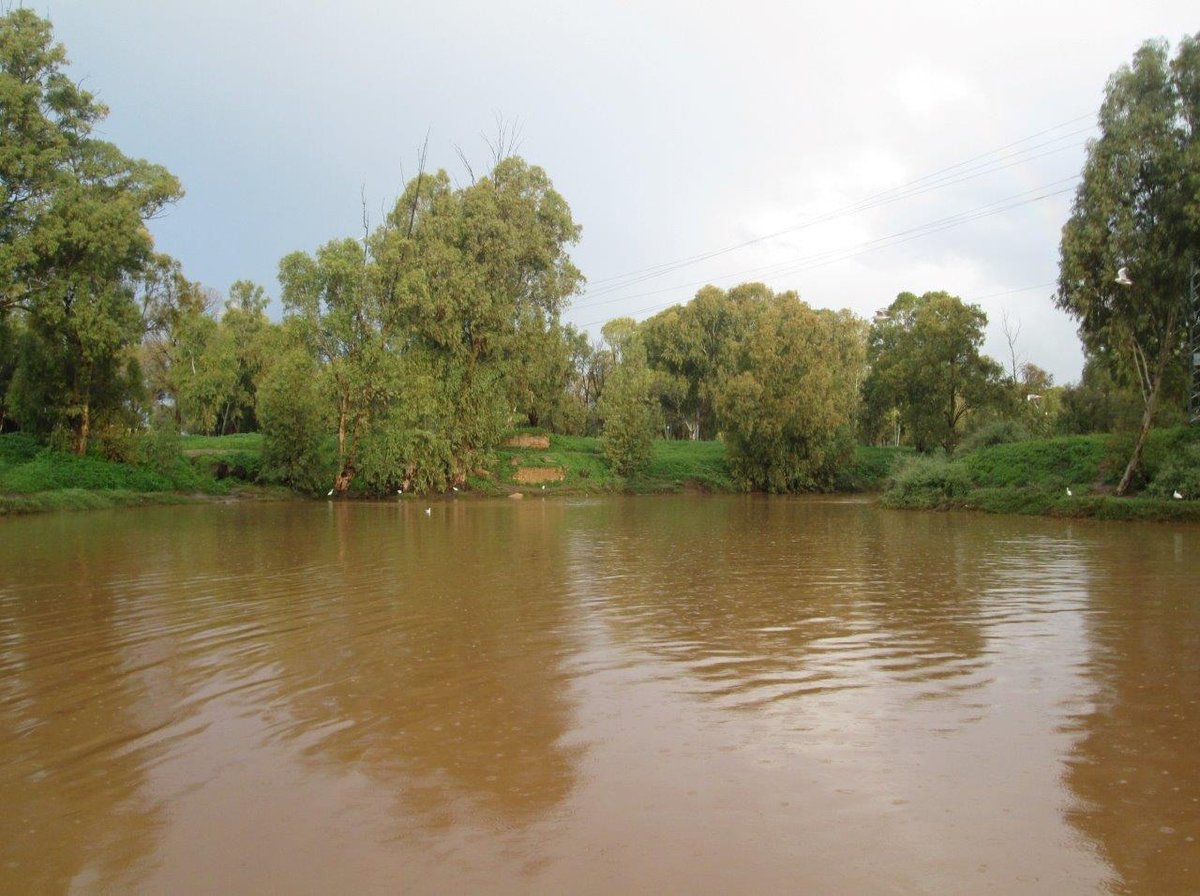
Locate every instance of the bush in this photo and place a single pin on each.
(928, 481)
(871, 468)
(1179, 474)
(160, 446)
(294, 417)
(18, 448)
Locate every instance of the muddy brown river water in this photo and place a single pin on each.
(652, 695)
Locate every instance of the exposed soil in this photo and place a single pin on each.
(539, 474)
(526, 440)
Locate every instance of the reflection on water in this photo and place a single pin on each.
(684, 694)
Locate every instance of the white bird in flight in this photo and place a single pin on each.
(429, 511)
(330, 495)
(1123, 277)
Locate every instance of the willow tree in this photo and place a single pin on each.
(428, 326)
(788, 402)
(1136, 209)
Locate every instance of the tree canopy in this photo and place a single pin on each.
(1138, 209)
(926, 364)
(73, 239)
(435, 327)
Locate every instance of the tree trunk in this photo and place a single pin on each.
(1135, 459)
(84, 430)
(1154, 382)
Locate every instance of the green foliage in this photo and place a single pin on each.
(630, 416)
(1049, 463)
(999, 432)
(871, 468)
(925, 363)
(72, 239)
(1098, 403)
(18, 448)
(1136, 209)
(788, 403)
(294, 414)
(161, 446)
(674, 465)
(929, 482)
(1178, 474)
(459, 291)
(52, 471)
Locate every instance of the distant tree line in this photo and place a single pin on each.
(406, 353)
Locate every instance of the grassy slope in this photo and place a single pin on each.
(676, 465)
(1034, 477)
(33, 478)
(1026, 477)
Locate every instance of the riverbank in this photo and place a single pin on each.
(1069, 476)
(1072, 476)
(37, 479)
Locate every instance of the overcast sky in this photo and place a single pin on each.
(849, 151)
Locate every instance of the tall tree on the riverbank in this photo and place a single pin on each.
(789, 399)
(429, 326)
(627, 404)
(1136, 209)
(925, 363)
(72, 236)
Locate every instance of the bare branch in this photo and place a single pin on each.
(366, 218)
(507, 139)
(1011, 334)
(462, 157)
(412, 211)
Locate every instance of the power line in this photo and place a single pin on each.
(831, 256)
(976, 166)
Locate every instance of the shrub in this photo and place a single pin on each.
(160, 445)
(1178, 474)
(18, 448)
(927, 481)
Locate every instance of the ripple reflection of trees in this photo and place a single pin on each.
(764, 599)
(429, 650)
(78, 711)
(1136, 769)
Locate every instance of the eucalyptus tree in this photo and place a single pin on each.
(72, 235)
(1136, 209)
(925, 364)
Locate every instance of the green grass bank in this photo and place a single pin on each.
(1070, 476)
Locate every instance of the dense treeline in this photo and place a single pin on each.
(404, 355)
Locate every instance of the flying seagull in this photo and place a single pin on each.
(1123, 277)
